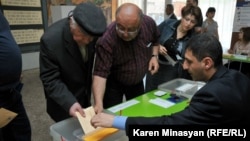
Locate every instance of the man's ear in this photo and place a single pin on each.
(208, 62)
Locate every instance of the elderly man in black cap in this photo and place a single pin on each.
(66, 60)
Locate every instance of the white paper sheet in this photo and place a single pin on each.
(160, 93)
(123, 105)
(161, 102)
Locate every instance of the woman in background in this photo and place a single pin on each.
(173, 39)
(210, 25)
(242, 46)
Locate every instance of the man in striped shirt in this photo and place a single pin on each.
(124, 54)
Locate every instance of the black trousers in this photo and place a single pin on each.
(115, 91)
(19, 128)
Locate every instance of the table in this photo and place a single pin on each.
(70, 129)
(147, 109)
(238, 58)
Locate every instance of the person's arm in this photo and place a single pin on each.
(98, 88)
(108, 120)
(233, 50)
(54, 87)
(216, 30)
(217, 34)
(153, 63)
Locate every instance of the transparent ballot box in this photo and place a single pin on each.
(70, 130)
(182, 87)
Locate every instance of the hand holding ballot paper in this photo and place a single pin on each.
(91, 133)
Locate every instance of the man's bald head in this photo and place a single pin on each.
(128, 12)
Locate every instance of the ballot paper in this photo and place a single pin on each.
(91, 133)
(123, 105)
(160, 93)
(161, 102)
(85, 121)
(170, 60)
(6, 116)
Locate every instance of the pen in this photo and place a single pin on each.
(149, 44)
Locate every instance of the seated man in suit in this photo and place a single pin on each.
(223, 100)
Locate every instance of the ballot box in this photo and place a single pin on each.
(182, 87)
(70, 130)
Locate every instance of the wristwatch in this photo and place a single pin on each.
(153, 55)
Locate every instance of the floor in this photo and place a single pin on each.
(34, 101)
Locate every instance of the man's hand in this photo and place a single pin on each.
(153, 65)
(76, 107)
(102, 120)
(98, 108)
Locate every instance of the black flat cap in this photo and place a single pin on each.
(90, 18)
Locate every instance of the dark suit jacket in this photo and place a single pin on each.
(173, 16)
(65, 77)
(225, 99)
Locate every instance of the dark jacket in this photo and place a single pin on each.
(66, 78)
(10, 58)
(173, 16)
(225, 99)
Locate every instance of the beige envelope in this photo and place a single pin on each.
(85, 121)
(6, 116)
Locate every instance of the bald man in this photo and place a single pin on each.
(124, 54)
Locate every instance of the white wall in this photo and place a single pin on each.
(30, 60)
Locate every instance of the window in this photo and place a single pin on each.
(156, 9)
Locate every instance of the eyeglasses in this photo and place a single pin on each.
(123, 31)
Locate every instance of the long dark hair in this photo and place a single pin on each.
(193, 10)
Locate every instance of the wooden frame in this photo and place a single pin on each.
(26, 22)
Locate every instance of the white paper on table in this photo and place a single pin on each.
(160, 93)
(123, 105)
(161, 102)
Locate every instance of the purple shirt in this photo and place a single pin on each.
(126, 61)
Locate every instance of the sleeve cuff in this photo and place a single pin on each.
(119, 122)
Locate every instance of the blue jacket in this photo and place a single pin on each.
(167, 28)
